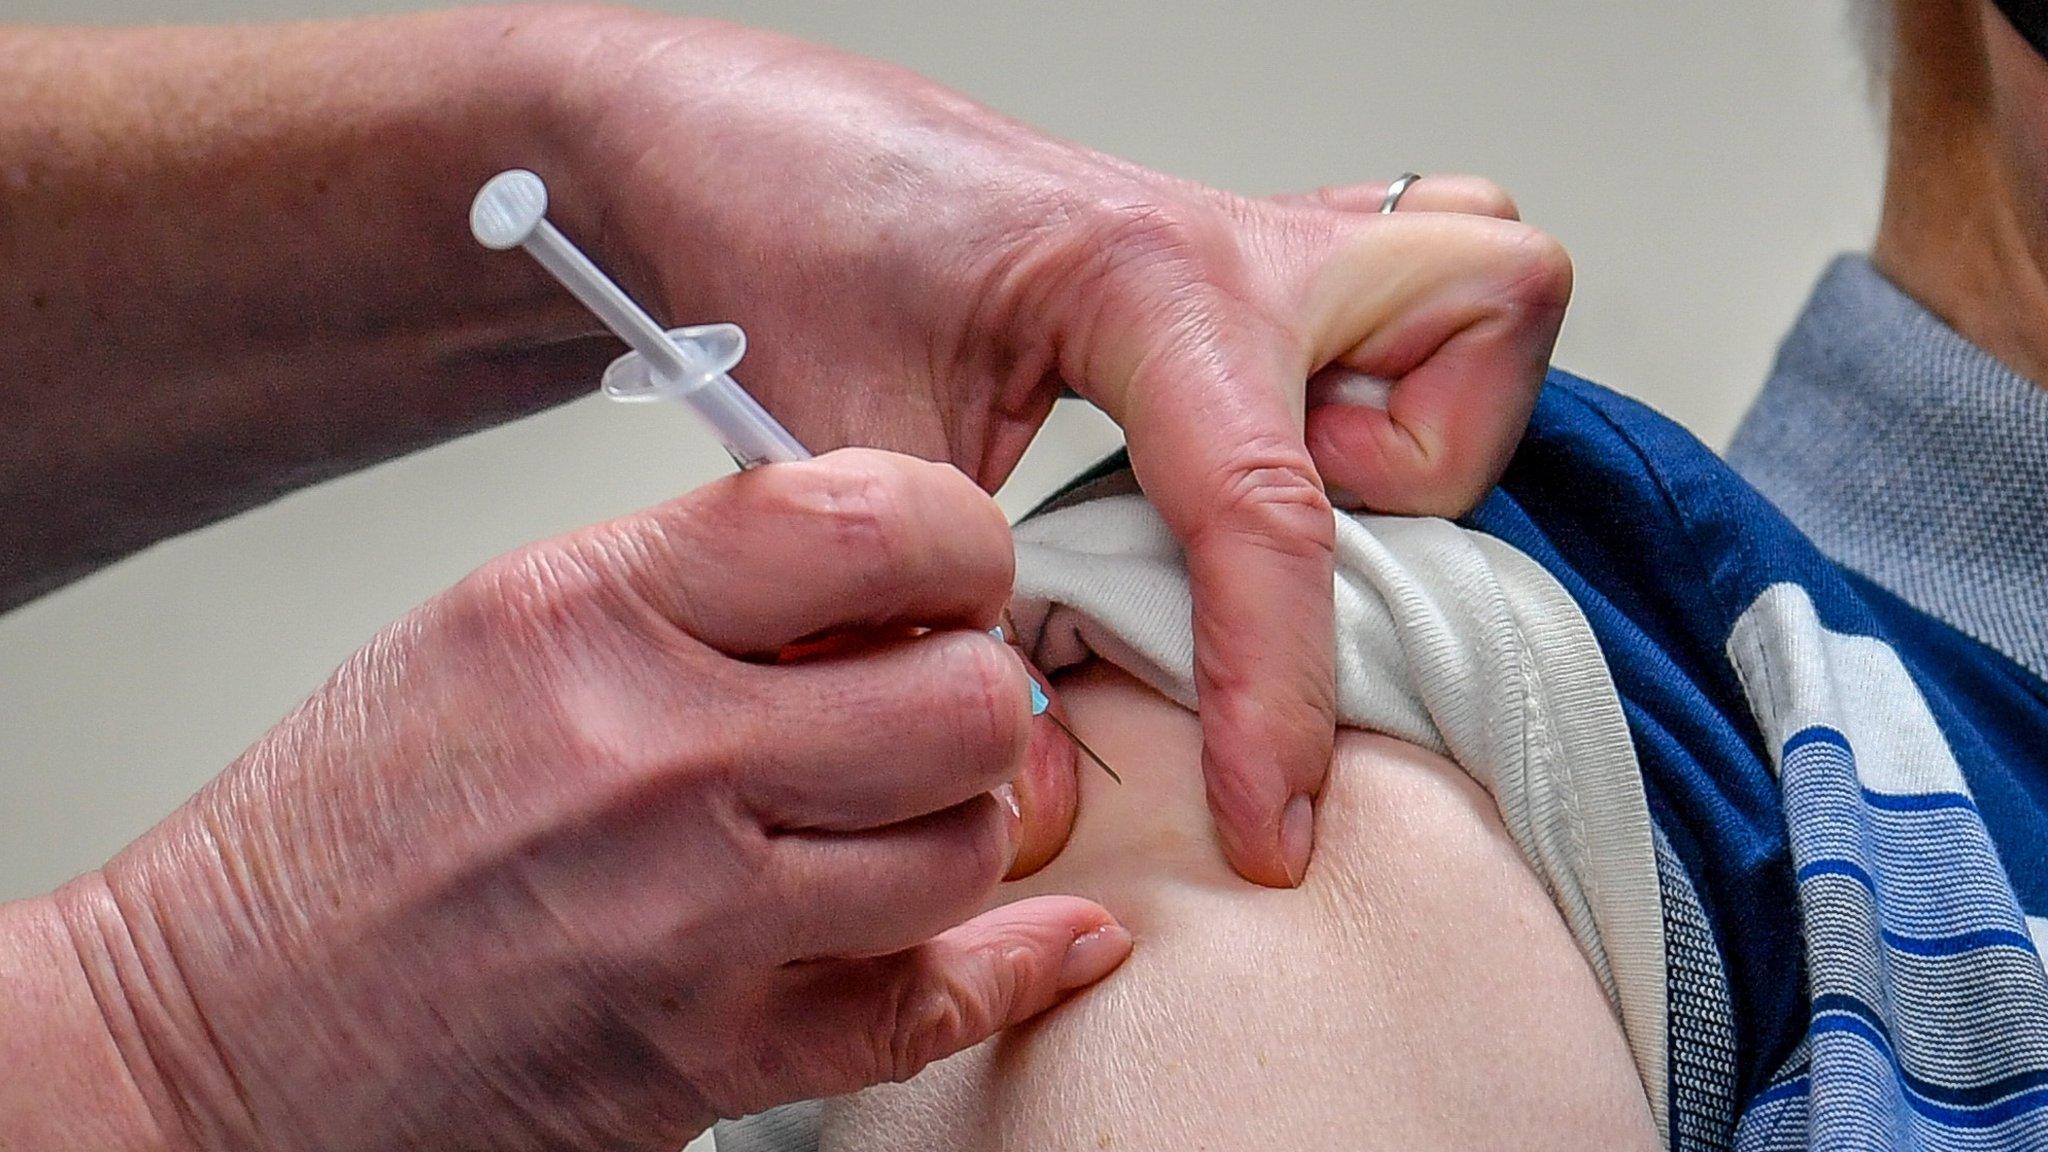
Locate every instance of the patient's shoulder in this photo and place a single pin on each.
(1418, 990)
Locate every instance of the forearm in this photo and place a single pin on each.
(67, 1083)
(233, 261)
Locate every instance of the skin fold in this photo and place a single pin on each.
(1417, 991)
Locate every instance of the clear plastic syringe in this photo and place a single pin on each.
(687, 365)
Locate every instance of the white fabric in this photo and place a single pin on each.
(1446, 638)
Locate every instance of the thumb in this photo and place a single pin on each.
(854, 1023)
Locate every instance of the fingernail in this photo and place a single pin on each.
(1093, 955)
(1013, 823)
(1297, 836)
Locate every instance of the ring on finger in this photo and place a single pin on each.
(1398, 189)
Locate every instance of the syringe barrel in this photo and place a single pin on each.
(745, 428)
(512, 210)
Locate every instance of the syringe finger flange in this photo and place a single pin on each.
(716, 349)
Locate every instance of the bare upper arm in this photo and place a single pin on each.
(1418, 990)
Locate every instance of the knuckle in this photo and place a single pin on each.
(1338, 197)
(859, 510)
(1118, 240)
(1143, 226)
(1538, 267)
(564, 636)
(1270, 492)
(1287, 735)
(929, 1017)
(1486, 198)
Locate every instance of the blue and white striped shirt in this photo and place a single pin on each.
(1843, 731)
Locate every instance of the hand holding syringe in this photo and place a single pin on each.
(689, 365)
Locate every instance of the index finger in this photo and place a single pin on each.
(853, 539)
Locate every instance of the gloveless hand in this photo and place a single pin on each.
(923, 274)
(568, 858)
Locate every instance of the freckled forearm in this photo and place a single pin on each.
(234, 261)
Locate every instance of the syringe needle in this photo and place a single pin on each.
(1083, 746)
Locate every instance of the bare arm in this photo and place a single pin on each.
(232, 263)
(1417, 991)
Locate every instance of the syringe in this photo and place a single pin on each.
(688, 365)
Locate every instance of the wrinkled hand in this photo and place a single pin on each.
(922, 274)
(568, 858)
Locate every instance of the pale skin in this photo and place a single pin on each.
(1418, 990)
(547, 864)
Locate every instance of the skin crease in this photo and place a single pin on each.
(1417, 991)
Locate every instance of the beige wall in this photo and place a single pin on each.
(1701, 161)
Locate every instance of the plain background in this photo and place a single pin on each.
(1701, 161)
